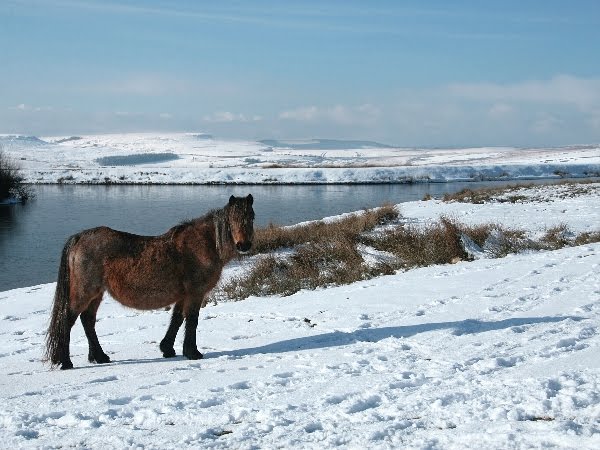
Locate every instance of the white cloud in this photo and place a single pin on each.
(227, 116)
(306, 113)
(500, 110)
(594, 120)
(25, 107)
(583, 93)
(338, 114)
(546, 123)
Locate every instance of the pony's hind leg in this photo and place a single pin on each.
(167, 345)
(190, 351)
(64, 349)
(88, 320)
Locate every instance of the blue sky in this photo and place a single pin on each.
(411, 73)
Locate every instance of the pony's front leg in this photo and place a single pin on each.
(167, 344)
(190, 351)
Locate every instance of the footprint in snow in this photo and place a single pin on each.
(313, 426)
(12, 318)
(239, 337)
(336, 399)
(120, 401)
(104, 380)
(209, 403)
(284, 375)
(242, 385)
(364, 404)
(33, 393)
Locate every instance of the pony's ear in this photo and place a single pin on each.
(231, 200)
(250, 199)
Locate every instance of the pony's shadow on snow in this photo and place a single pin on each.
(341, 338)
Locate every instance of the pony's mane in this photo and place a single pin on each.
(195, 221)
(217, 217)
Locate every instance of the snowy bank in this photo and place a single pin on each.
(203, 159)
(495, 353)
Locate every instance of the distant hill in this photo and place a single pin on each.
(323, 144)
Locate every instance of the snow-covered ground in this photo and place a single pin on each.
(203, 159)
(495, 354)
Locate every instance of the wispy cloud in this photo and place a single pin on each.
(565, 89)
(366, 19)
(546, 123)
(338, 114)
(227, 116)
(26, 107)
(500, 110)
(145, 85)
(304, 113)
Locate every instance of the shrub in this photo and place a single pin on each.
(557, 237)
(418, 245)
(325, 253)
(11, 181)
(274, 237)
(321, 254)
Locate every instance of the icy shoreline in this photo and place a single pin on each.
(295, 176)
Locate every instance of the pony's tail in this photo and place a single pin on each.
(57, 330)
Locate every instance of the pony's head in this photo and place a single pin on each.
(241, 222)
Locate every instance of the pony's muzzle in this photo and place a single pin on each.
(244, 246)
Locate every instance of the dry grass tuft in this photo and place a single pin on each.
(349, 227)
(322, 254)
(325, 253)
(512, 194)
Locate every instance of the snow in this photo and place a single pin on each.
(494, 353)
(188, 158)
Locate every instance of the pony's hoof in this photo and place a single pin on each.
(194, 354)
(167, 350)
(103, 359)
(170, 353)
(66, 365)
(99, 359)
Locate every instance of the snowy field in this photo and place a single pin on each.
(494, 354)
(188, 158)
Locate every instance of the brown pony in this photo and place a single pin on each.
(179, 267)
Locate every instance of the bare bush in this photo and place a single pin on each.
(11, 181)
(322, 254)
(274, 237)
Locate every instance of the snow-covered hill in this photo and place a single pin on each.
(188, 158)
(495, 354)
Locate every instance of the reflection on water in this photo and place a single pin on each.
(32, 235)
(8, 218)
